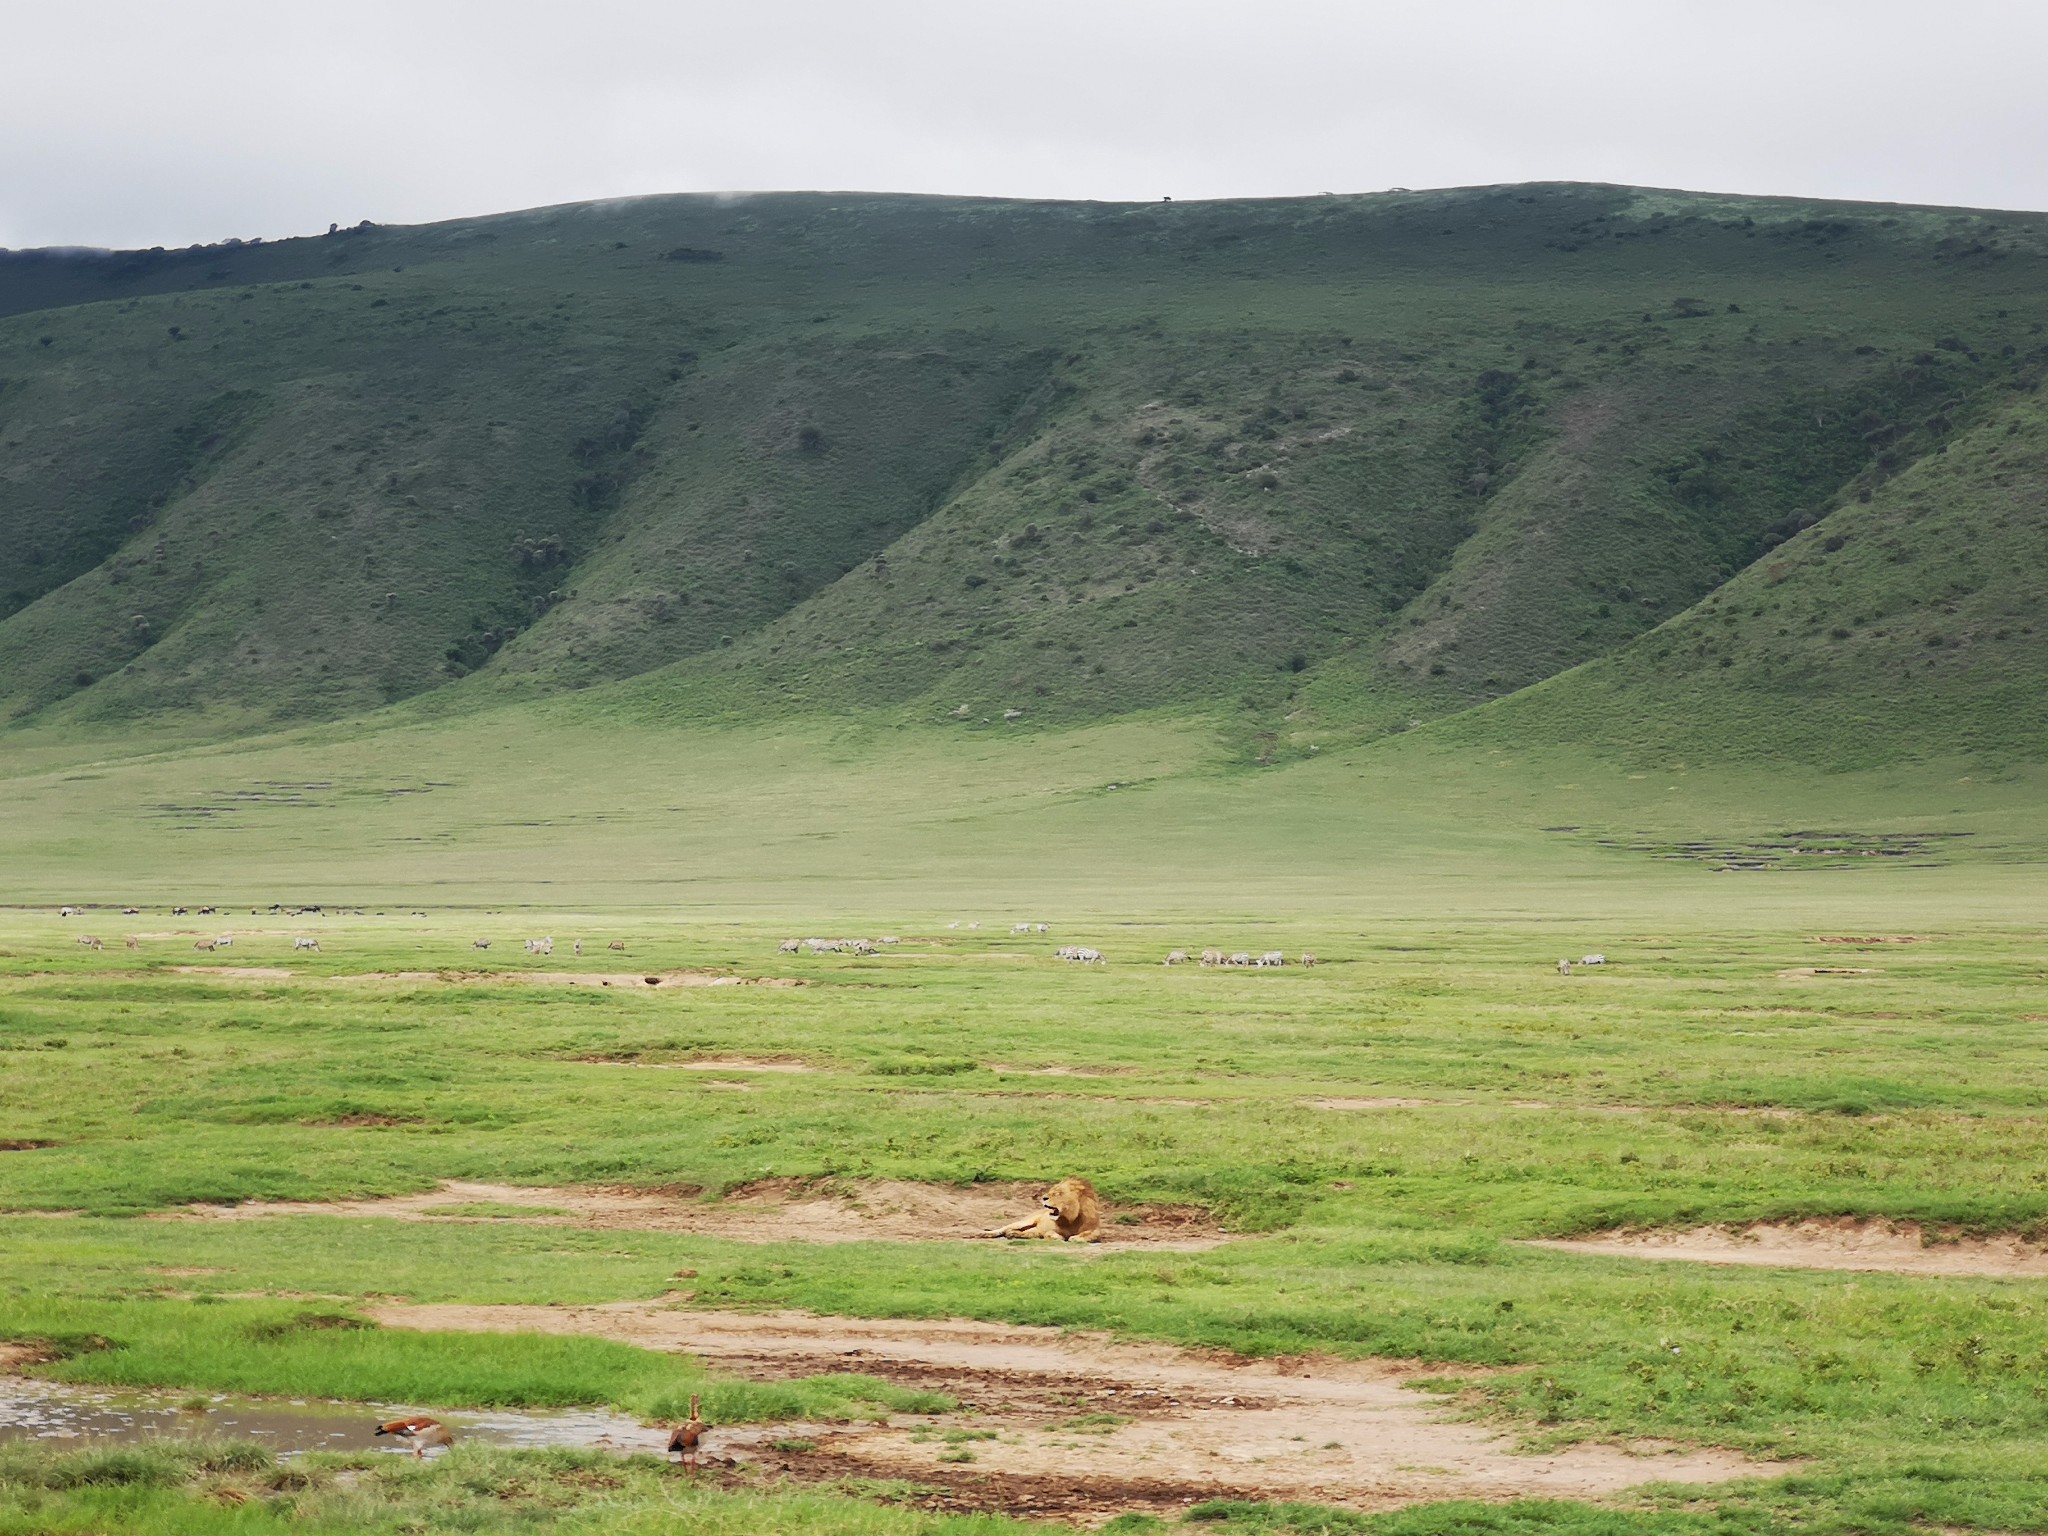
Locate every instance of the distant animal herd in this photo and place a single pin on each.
(1072, 954)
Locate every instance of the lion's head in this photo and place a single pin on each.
(1074, 1206)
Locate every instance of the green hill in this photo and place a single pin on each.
(1313, 468)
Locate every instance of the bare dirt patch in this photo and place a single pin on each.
(1804, 972)
(25, 1144)
(1904, 1248)
(769, 1211)
(705, 1064)
(1875, 938)
(627, 981)
(1380, 1104)
(238, 972)
(1128, 1426)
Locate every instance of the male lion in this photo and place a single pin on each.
(1070, 1211)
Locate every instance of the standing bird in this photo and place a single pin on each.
(689, 1437)
(419, 1432)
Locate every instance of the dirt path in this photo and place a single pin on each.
(1127, 1426)
(1904, 1249)
(638, 981)
(770, 1211)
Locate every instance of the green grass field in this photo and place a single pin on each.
(1552, 1106)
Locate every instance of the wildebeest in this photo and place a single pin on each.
(1041, 927)
(788, 946)
(889, 938)
(1175, 957)
(1308, 957)
(618, 944)
(479, 943)
(206, 944)
(90, 942)
(1212, 957)
(312, 944)
(134, 942)
(1564, 967)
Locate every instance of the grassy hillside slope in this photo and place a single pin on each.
(1910, 620)
(1317, 467)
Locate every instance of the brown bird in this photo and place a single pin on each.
(689, 1437)
(420, 1432)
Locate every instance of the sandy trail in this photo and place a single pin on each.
(770, 1211)
(1169, 1425)
(1875, 1246)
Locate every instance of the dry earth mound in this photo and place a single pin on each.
(768, 1211)
(1902, 1248)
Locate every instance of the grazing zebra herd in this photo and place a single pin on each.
(835, 946)
(1073, 954)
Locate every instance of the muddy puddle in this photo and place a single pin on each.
(54, 1412)
(1082, 1426)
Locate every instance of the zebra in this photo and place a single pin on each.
(1594, 960)
(299, 944)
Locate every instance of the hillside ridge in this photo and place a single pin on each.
(1311, 468)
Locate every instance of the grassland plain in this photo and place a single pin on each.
(1708, 1074)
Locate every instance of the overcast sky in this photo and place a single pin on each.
(174, 121)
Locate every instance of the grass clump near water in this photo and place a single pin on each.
(188, 1490)
(265, 1349)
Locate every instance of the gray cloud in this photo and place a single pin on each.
(167, 123)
